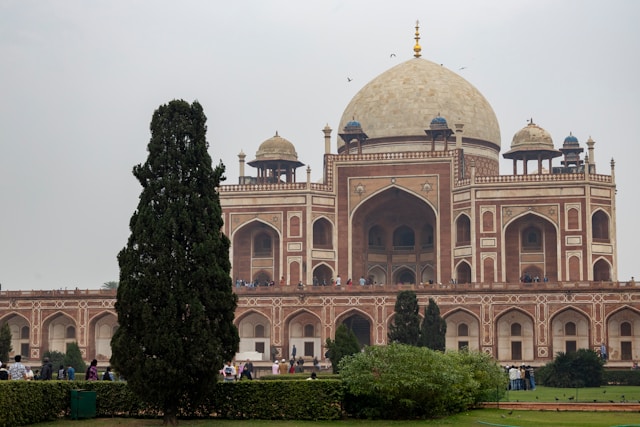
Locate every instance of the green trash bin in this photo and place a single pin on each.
(83, 404)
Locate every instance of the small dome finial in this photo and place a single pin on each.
(417, 49)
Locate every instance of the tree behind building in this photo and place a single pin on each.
(345, 344)
(73, 357)
(405, 326)
(5, 343)
(433, 332)
(175, 303)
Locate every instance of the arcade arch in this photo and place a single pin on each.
(570, 331)
(255, 335)
(360, 325)
(515, 336)
(20, 335)
(304, 331)
(102, 329)
(624, 335)
(58, 331)
(463, 331)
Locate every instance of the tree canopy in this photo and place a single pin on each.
(175, 303)
(405, 326)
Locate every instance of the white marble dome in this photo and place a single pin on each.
(402, 101)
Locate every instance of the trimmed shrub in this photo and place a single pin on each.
(31, 402)
(583, 368)
(405, 382)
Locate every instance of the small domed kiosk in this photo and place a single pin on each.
(531, 143)
(276, 157)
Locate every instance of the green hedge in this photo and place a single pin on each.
(29, 402)
(621, 377)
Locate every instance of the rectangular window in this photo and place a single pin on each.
(516, 350)
(463, 345)
(309, 349)
(24, 350)
(571, 347)
(625, 350)
(260, 347)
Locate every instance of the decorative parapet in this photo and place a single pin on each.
(543, 178)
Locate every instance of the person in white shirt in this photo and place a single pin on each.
(17, 371)
(229, 372)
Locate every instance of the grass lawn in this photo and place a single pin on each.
(616, 394)
(477, 418)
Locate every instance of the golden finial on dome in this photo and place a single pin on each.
(417, 49)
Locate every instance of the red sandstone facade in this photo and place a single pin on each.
(522, 266)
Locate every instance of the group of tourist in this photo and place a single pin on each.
(522, 378)
(18, 371)
(231, 372)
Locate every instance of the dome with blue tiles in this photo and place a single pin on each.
(440, 121)
(571, 140)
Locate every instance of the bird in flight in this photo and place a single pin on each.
(393, 55)
(349, 79)
(462, 68)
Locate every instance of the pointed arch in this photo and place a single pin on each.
(602, 270)
(359, 322)
(376, 275)
(322, 274)
(623, 339)
(463, 230)
(303, 328)
(58, 330)
(515, 334)
(534, 242)
(463, 330)
(600, 226)
(101, 328)
(570, 330)
(20, 328)
(463, 272)
(256, 252)
(428, 274)
(404, 275)
(322, 233)
(391, 229)
(254, 329)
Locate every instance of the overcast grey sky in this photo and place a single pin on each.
(80, 80)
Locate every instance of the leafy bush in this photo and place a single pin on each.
(404, 382)
(583, 368)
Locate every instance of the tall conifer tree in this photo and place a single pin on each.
(405, 326)
(434, 328)
(345, 344)
(175, 302)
